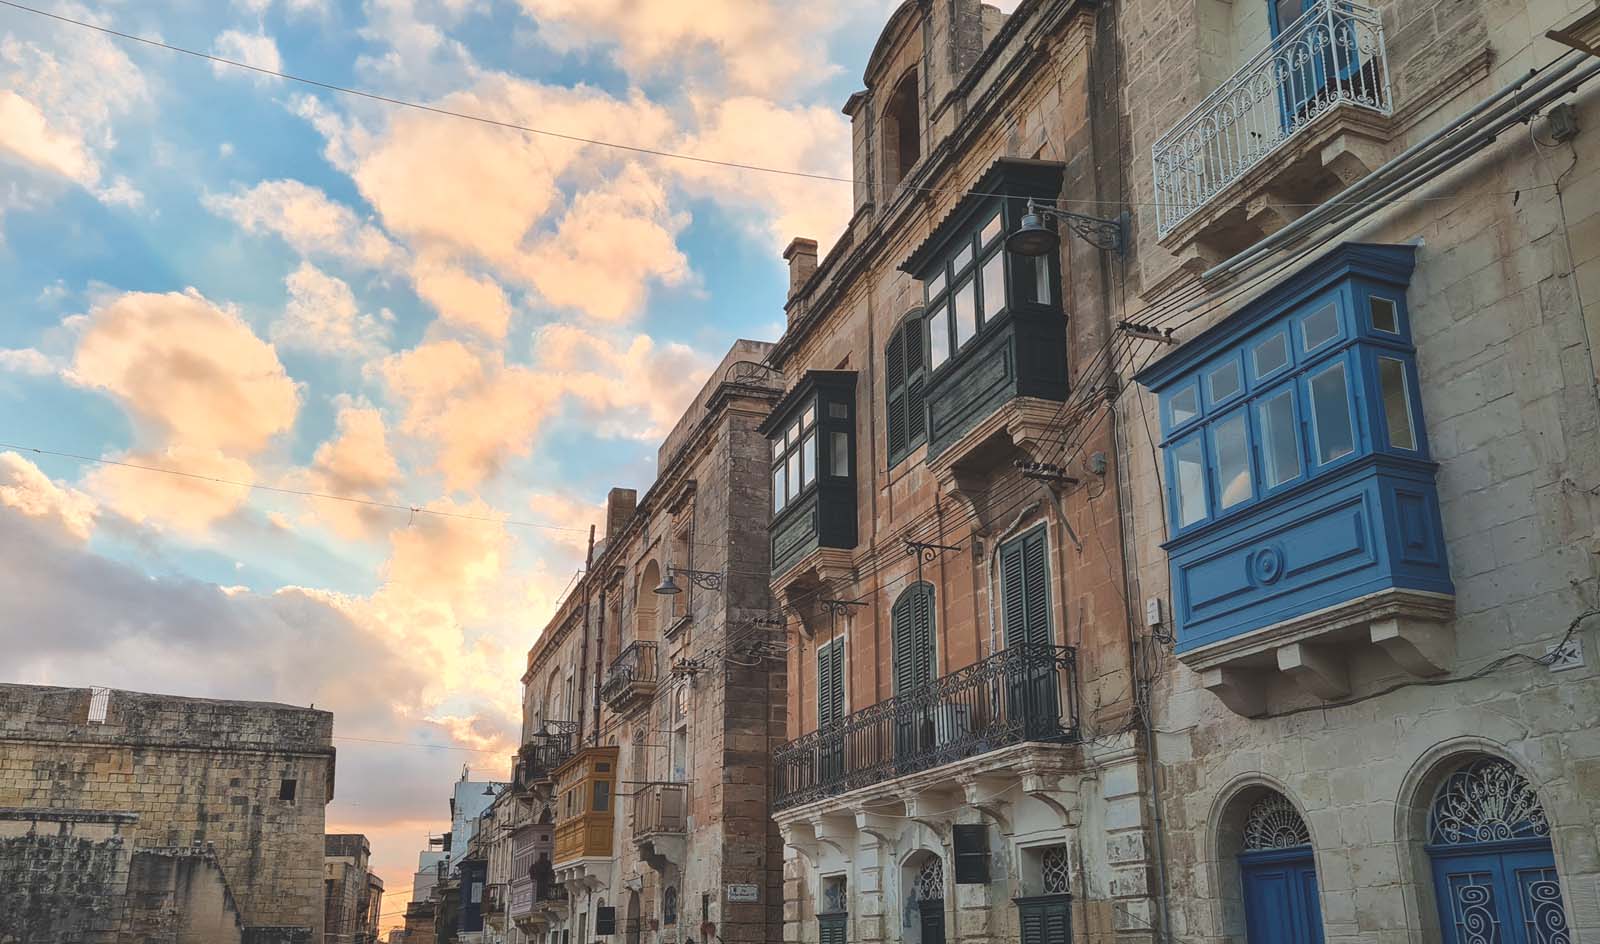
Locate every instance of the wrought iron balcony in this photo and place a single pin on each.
(660, 808)
(545, 751)
(1022, 693)
(1333, 55)
(632, 675)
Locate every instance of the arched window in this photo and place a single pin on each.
(1278, 874)
(669, 905)
(912, 619)
(924, 899)
(904, 381)
(902, 130)
(1494, 870)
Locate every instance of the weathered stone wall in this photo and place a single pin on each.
(63, 876)
(1508, 378)
(195, 772)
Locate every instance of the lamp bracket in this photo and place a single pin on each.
(704, 579)
(1110, 235)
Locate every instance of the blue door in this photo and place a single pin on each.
(1316, 56)
(1494, 871)
(1281, 904)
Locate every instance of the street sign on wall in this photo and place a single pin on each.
(744, 893)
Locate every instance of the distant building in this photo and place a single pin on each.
(353, 895)
(159, 813)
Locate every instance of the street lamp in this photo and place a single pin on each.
(1033, 238)
(704, 579)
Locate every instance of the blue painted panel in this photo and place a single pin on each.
(1281, 901)
(1373, 526)
(1498, 894)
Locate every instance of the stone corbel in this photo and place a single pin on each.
(1049, 789)
(1423, 649)
(1243, 691)
(933, 809)
(985, 794)
(1351, 157)
(1270, 211)
(969, 491)
(1317, 669)
(835, 831)
(885, 829)
(801, 838)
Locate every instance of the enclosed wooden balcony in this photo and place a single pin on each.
(585, 817)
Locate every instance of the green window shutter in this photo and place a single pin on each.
(1012, 592)
(922, 617)
(912, 338)
(831, 928)
(1036, 590)
(905, 677)
(830, 683)
(1046, 919)
(894, 383)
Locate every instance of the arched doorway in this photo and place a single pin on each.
(631, 929)
(1494, 870)
(923, 875)
(1278, 874)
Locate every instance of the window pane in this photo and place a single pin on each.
(794, 433)
(1041, 281)
(838, 411)
(966, 303)
(1183, 406)
(994, 285)
(808, 417)
(935, 285)
(1280, 451)
(1396, 403)
(777, 448)
(991, 229)
(1224, 382)
(794, 474)
(1233, 460)
(778, 496)
(962, 259)
(1330, 409)
(1270, 354)
(808, 459)
(1189, 460)
(1320, 327)
(938, 337)
(839, 455)
(1384, 316)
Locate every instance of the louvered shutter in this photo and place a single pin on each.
(905, 645)
(1036, 591)
(971, 841)
(831, 928)
(922, 616)
(1046, 919)
(1013, 592)
(830, 684)
(913, 338)
(894, 370)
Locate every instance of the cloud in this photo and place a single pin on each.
(308, 220)
(190, 503)
(31, 139)
(766, 46)
(357, 463)
(27, 360)
(322, 317)
(252, 49)
(29, 491)
(462, 298)
(187, 371)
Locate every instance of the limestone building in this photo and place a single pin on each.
(1361, 446)
(652, 701)
(133, 817)
(353, 893)
(964, 763)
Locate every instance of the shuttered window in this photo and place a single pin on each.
(913, 638)
(905, 363)
(1025, 588)
(831, 928)
(1046, 919)
(830, 683)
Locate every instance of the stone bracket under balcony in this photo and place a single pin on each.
(1411, 626)
(820, 574)
(1025, 428)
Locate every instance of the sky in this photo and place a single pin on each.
(208, 273)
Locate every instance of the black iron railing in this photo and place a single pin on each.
(636, 665)
(661, 807)
(546, 750)
(1022, 693)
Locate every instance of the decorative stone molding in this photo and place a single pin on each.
(1025, 428)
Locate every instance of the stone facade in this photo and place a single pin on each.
(1503, 307)
(243, 785)
(353, 893)
(682, 686)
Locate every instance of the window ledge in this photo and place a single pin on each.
(1412, 626)
(677, 626)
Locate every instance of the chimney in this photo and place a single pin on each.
(802, 258)
(620, 505)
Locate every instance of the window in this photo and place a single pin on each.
(975, 272)
(1392, 387)
(1280, 452)
(1183, 407)
(1232, 446)
(1320, 327)
(602, 796)
(1025, 588)
(1330, 413)
(912, 619)
(830, 683)
(669, 905)
(794, 459)
(902, 130)
(286, 790)
(1224, 382)
(904, 385)
(1190, 484)
(1385, 316)
(1271, 355)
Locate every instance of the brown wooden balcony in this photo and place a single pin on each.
(632, 676)
(660, 808)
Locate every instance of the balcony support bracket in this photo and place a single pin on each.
(885, 829)
(1423, 649)
(802, 838)
(1051, 790)
(1243, 691)
(836, 832)
(984, 794)
(1318, 669)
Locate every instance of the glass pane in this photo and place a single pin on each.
(839, 455)
(1384, 315)
(794, 433)
(1189, 460)
(994, 285)
(1330, 410)
(794, 474)
(966, 302)
(991, 230)
(1041, 281)
(1233, 460)
(962, 259)
(778, 496)
(1183, 406)
(1280, 451)
(935, 285)
(808, 417)
(1224, 382)
(1270, 354)
(777, 448)
(1320, 327)
(1396, 403)
(839, 411)
(808, 460)
(938, 338)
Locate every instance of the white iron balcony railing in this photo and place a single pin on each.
(1332, 55)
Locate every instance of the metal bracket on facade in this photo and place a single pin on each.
(1108, 234)
(927, 551)
(1146, 332)
(1047, 472)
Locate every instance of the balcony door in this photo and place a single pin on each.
(1032, 702)
(1316, 46)
(1278, 875)
(912, 628)
(1494, 870)
(830, 709)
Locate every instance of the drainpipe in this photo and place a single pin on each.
(583, 645)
